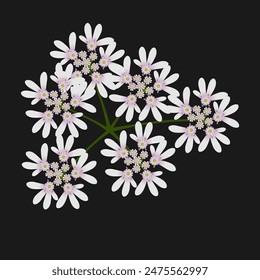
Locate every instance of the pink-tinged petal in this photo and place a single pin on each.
(88, 30)
(55, 79)
(73, 162)
(223, 138)
(72, 40)
(160, 182)
(186, 95)
(116, 68)
(172, 91)
(180, 141)
(117, 55)
(140, 187)
(129, 114)
(156, 75)
(171, 79)
(127, 64)
(144, 113)
(152, 55)
(152, 149)
(105, 41)
(37, 126)
(167, 165)
(55, 150)
(177, 129)
(29, 165)
(224, 103)
(33, 157)
(159, 65)
(211, 86)
(197, 93)
(97, 31)
(43, 80)
(34, 185)
(165, 72)
(47, 201)
(231, 110)
(62, 200)
(32, 85)
(38, 197)
(202, 85)
(81, 195)
(203, 144)
(152, 188)
(126, 188)
(77, 152)
(231, 122)
(83, 39)
(102, 90)
(123, 138)
(113, 172)
(117, 98)
(74, 202)
(28, 94)
(216, 145)
(90, 179)
(108, 153)
(189, 145)
(82, 125)
(46, 130)
(34, 114)
(61, 129)
(73, 130)
(44, 151)
(168, 153)
(142, 55)
(121, 109)
(117, 184)
(58, 54)
(215, 106)
(219, 96)
(111, 144)
(89, 166)
(137, 62)
(60, 45)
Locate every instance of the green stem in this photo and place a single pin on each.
(115, 121)
(103, 108)
(89, 147)
(144, 123)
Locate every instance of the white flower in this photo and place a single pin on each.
(66, 52)
(47, 192)
(72, 191)
(214, 134)
(92, 40)
(146, 63)
(205, 94)
(38, 93)
(38, 164)
(221, 112)
(125, 179)
(117, 151)
(62, 78)
(45, 120)
(142, 138)
(153, 104)
(71, 120)
(158, 156)
(107, 56)
(183, 108)
(162, 82)
(79, 169)
(151, 178)
(78, 97)
(123, 72)
(129, 105)
(189, 134)
(64, 152)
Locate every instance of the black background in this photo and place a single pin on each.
(210, 209)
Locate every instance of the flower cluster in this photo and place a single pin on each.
(141, 161)
(60, 174)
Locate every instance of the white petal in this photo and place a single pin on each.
(172, 91)
(139, 129)
(121, 109)
(117, 184)
(159, 65)
(161, 183)
(158, 173)
(37, 126)
(223, 138)
(81, 195)
(175, 100)
(116, 68)
(197, 93)
(216, 145)
(152, 188)
(82, 159)
(211, 86)
(39, 196)
(28, 94)
(126, 189)
(152, 55)
(168, 153)
(156, 75)
(123, 138)
(231, 110)
(144, 113)
(203, 144)
(231, 122)
(30, 165)
(134, 137)
(157, 115)
(108, 153)
(202, 85)
(140, 187)
(74, 202)
(161, 146)
(171, 79)
(177, 128)
(47, 201)
(189, 145)
(32, 85)
(58, 54)
(43, 80)
(179, 142)
(117, 55)
(79, 186)
(33, 157)
(73, 130)
(109, 79)
(113, 172)
(61, 129)
(89, 166)
(60, 45)
(112, 144)
(224, 103)
(97, 31)
(77, 152)
(221, 129)
(46, 130)
(90, 179)
(34, 185)
(35, 172)
(177, 116)
(164, 108)
(133, 183)
(44, 151)
(105, 41)
(82, 125)
(142, 54)
(147, 131)
(68, 145)
(219, 96)
(88, 30)
(152, 149)
(127, 64)
(186, 95)
(165, 72)
(33, 114)
(117, 98)
(129, 114)
(62, 200)
(102, 90)
(167, 165)
(72, 40)
(215, 106)
(155, 139)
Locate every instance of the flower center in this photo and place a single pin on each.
(47, 116)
